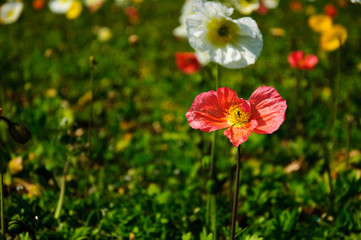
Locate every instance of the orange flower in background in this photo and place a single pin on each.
(187, 62)
(333, 38)
(38, 4)
(298, 59)
(262, 113)
(320, 22)
(296, 6)
(330, 10)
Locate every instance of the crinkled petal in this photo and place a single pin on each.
(268, 108)
(238, 135)
(206, 114)
(212, 9)
(228, 97)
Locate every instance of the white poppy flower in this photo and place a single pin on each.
(187, 10)
(203, 58)
(231, 43)
(10, 12)
(271, 4)
(60, 6)
(246, 6)
(356, 1)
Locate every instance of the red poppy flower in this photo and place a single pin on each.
(38, 4)
(262, 113)
(187, 62)
(298, 59)
(330, 10)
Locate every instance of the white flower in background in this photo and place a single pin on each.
(356, 1)
(10, 12)
(231, 43)
(187, 10)
(60, 6)
(271, 4)
(203, 57)
(246, 6)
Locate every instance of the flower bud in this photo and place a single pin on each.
(19, 132)
(16, 227)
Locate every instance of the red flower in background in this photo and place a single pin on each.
(38, 4)
(330, 10)
(187, 62)
(262, 9)
(262, 113)
(132, 13)
(298, 59)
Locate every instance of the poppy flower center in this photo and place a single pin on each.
(236, 117)
(221, 31)
(10, 13)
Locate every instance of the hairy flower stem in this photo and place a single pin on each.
(212, 201)
(336, 92)
(235, 199)
(62, 190)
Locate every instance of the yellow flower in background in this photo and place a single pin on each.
(333, 38)
(10, 12)
(104, 34)
(320, 22)
(75, 10)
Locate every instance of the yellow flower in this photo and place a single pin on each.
(75, 10)
(104, 34)
(333, 38)
(320, 22)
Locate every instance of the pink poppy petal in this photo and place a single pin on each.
(206, 114)
(238, 135)
(311, 61)
(268, 108)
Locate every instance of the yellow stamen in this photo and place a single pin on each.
(10, 13)
(236, 117)
(221, 31)
(246, 3)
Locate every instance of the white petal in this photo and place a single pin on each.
(6, 8)
(59, 6)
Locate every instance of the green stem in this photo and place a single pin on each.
(62, 190)
(235, 199)
(90, 124)
(334, 122)
(2, 189)
(212, 197)
(217, 73)
(2, 201)
(347, 157)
